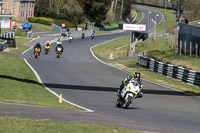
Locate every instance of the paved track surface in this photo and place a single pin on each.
(85, 81)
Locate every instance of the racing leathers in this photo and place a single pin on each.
(126, 81)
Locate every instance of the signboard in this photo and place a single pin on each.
(134, 27)
(63, 25)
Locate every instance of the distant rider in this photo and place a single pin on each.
(135, 76)
(59, 40)
(37, 45)
(48, 44)
(82, 35)
(59, 44)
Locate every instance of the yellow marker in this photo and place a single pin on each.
(60, 99)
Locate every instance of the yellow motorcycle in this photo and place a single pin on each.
(46, 49)
(37, 52)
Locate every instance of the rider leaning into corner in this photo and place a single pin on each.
(37, 45)
(59, 44)
(135, 76)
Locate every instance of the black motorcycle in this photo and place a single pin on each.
(82, 35)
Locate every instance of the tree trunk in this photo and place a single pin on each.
(112, 5)
(116, 1)
(122, 4)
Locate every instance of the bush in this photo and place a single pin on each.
(41, 20)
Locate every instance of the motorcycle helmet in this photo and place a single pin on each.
(38, 43)
(136, 75)
(47, 42)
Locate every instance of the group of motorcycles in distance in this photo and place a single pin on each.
(59, 49)
(92, 35)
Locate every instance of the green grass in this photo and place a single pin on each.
(41, 27)
(156, 51)
(19, 49)
(19, 125)
(22, 40)
(150, 45)
(19, 85)
(36, 26)
(114, 24)
(138, 18)
(115, 48)
(19, 33)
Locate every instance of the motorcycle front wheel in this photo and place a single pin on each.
(36, 55)
(46, 51)
(128, 102)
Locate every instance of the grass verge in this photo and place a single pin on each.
(19, 85)
(138, 18)
(36, 26)
(19, 47)
(156, 51)
(113, 49)
(12, 124)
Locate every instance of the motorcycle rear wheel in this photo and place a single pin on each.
(118, 103)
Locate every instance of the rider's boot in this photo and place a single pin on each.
(120, 89)
(140, 95)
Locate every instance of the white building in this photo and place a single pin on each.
(5, 19)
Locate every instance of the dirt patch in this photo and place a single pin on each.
(7, 50)
(111, 55)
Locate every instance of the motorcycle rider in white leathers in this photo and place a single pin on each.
(135, 76)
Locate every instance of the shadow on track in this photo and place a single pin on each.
(111, 89)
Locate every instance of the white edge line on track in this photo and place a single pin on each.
(130, 73)
(55, 94)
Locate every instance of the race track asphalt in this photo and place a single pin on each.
(85, 81)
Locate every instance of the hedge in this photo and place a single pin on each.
(41, 20)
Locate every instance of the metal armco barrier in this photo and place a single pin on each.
(180, 73)
(8, 35)
(3, 45)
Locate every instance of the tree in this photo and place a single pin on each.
(41, 7)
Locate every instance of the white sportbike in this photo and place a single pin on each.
(128, 94)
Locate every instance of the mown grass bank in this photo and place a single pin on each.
(113, 49)
(20, 48)
(12, 124)
(19, 85)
